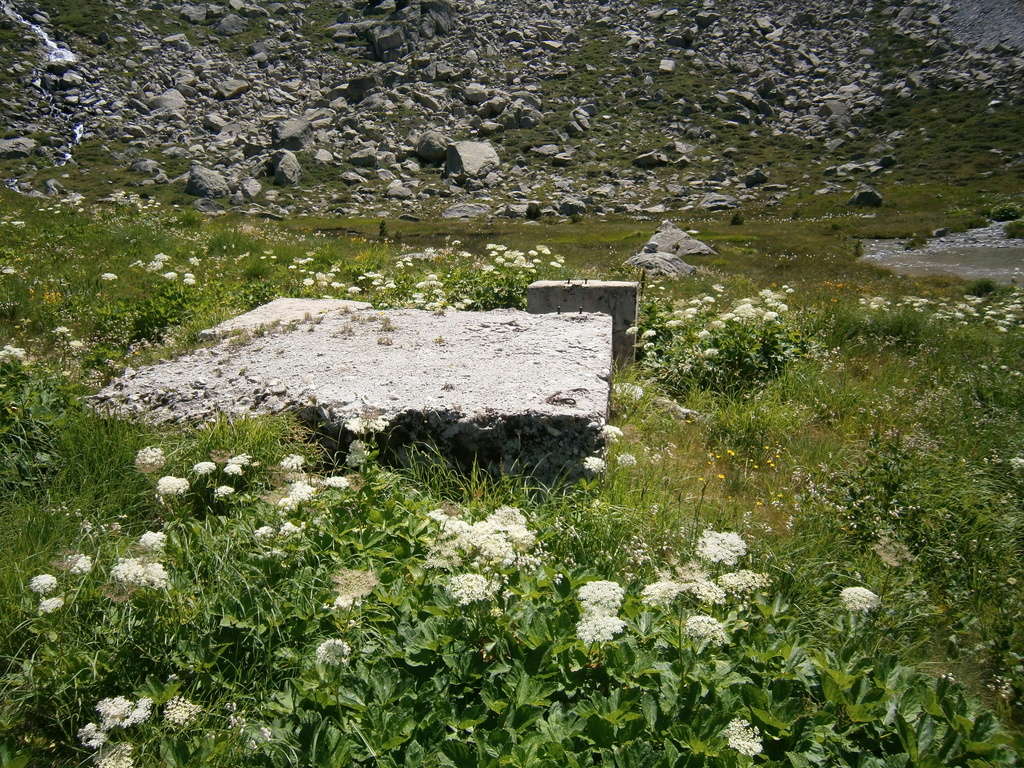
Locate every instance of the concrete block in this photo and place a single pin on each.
(280, 312)
(510, 390)
(616, 298)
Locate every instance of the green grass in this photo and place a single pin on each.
(890, 427)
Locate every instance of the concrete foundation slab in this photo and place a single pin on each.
(511, 390)
(280, 312)
(615, 298)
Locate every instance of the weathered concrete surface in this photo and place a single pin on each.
(610, 297)
(513, 390)
(280, 312)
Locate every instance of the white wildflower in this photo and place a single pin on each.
(721, 547)
(153, 541)
(92, 736)
(1017, 462)
(50, 604)
(626, 460)
(10, 352)
(333, 652)
(859, 599)
(242, 460)
(743, 737)
(337, 481)
(134, 572)
(293, 462)
(289, 529)
(705, 629)
(120, 712)
(469, 588)
(594, 465)
(629, 391)
(115, 756)
(602, 597)
(222, 491)
(705, 591)
(233, 469)
(265, 532)
(661, 594)
(78, 564)
(743, 582)
(108, 277)
(171, 486)
(357, 454)
(180, 711)
(611, 433)
(598, 628)
(298, 492)
(43, 584)
(204, 467)
(150, 459)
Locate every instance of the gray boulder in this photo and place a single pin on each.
(294, 134)
(232, 24)
(671, 239)
(14, 148)
(865, 196)
(658, 263)
(714, 201)
(287, 171)
(231, 88)
(432, 146)
(195, 14)
(466, 211)
(755, 178)
(206, 182)
(650, 160)
(170, 100)
(471, 159)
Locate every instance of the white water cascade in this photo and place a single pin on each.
(55, 52)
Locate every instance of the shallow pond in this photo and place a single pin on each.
(978, 253)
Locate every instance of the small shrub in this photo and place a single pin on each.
(981, 287)
(1015, 229)
(1005, 212)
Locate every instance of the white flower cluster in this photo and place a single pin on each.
(469, 588)
(626, 460)
(594, 465)
(152, 542)
(77, 564)
(357, 454)
(743, 582)
(601, 596)
(140, 572)
(331, 653)
(360, 425)
(1017, 463)
(298, 492)
(169, 486)
(611, 433)
(10, 352)
(721, 547)
(705, 629)
(336, 481)
(293, 462)
(43, 584)
(1002, 311)
(204, 468)
(284, 531)
(116, 756)
(116, 712)
(663, 593)
(743, 737)
(180, 711)
(599, 603)
(859, 599)
(500, 541)
(150, 459)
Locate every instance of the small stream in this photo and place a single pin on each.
(976, 254)
(54, 52)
